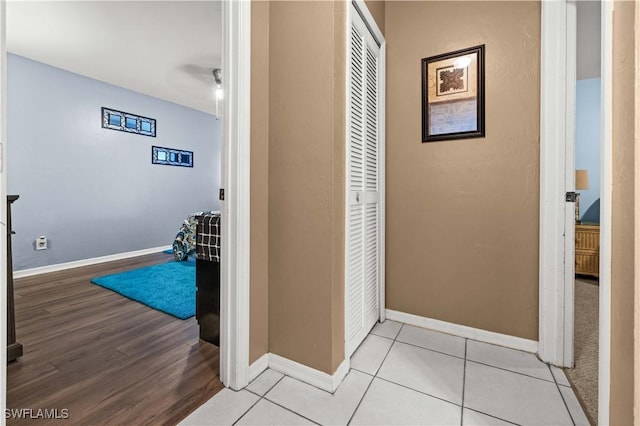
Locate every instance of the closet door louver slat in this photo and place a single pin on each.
(363, 220)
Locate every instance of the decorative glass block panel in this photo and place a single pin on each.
(147, 127)
(115, 119)
(125, 122)
(171, 157)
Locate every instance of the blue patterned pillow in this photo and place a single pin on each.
(185, 243)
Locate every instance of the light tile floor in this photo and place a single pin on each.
(405, 375)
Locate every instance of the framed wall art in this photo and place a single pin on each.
(171, 156)
(453, 95)
(126, 122)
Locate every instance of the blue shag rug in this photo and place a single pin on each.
(168, 287)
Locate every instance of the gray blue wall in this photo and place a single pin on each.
(92, 191)
(588, 145)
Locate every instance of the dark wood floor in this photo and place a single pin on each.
(105, 358)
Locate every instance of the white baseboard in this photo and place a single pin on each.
(463, 331)
(86, 262)
(258, 366)
(317, 378)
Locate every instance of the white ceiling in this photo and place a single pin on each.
(166, 49)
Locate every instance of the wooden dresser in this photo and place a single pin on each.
(588, 249)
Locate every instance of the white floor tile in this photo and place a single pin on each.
(424, 370)
(473, 418)
(265, 381)
(223, 409)
(561, 378)
(429, 339)
(389, 404)
(575, 408)
(513, 397)
(388, 329)
(318, 405)
(267, 413)
(509, 359)
(369, 356)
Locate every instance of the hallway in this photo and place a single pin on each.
(407, 375)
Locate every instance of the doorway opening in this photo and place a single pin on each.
(557, 219)
(85, 164)
(584, 374)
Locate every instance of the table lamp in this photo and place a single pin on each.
(582, 182)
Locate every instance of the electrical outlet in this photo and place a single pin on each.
(41, 243)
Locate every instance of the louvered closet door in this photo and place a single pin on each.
(362, 228)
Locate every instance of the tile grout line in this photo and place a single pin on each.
(562, 396)
(260, 397)
(290, 410)
(273, 402)
(384, 337)
(363, 372)
(515, 372)
(360, 402)
(248, 409)
(373, 378)
(275, 384)
(464, 380)
(386, 355)
(399, 331)
(418, 391)
(556, 379)
(493, 416)
(429, 349)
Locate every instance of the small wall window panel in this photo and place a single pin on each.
(125, 122)
(171, 157)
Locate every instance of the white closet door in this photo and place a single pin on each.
(363, 216)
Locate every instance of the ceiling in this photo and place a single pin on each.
(166, 49)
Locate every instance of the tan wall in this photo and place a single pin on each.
(376, 7)
(622, 226)
(306, 180)
(637, 225)
(463, 216)
(259, 264)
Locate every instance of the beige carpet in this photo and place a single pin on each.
(584, 377)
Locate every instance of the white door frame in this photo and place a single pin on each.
(3, 209)
(235, 229)
(557, 107)
(557, 112)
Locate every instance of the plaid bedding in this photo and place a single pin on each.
(208, 237)
(185, 241)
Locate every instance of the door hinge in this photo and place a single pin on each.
(571, 197)
(221, 196)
